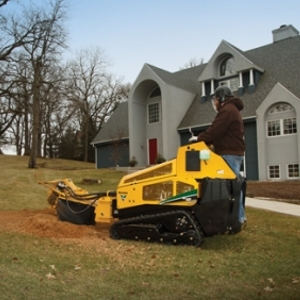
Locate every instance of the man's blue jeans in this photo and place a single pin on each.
(235, 162)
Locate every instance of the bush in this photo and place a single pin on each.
(159, 159)
(133, 162)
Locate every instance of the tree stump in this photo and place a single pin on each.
(91, 181)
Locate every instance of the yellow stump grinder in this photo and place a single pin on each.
(179, 201)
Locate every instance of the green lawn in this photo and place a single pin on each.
(262, 262)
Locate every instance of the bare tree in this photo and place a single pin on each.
(94, 92)
(8, 95)
(15, 32)
(193, 62)
(3, 2)
(48, 41)
(29, 44)
(7, 114)
(32, 83)
(19, 99)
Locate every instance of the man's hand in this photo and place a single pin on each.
(193, 139)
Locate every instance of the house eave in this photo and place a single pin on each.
(188, 128)
(108, 141)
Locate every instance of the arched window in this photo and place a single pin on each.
(155, 93)
(227, 67)
(279, 125)
(282, 107)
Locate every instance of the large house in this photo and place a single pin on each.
(163, 108)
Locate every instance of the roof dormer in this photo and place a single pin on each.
(229, 66)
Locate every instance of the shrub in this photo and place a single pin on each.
(133, 162)
(159, 159)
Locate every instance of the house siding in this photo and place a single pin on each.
(104, 155)
(277, 150)
(251, 160)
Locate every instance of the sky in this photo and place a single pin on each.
(170, 33)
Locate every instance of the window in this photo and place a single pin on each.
(155, 93)
(283, 107)
(289, 126)
(227, 67)
(274, 172)
(293, 171)
(153, 113)
(233, 83)
(282, 127)
(273, 128)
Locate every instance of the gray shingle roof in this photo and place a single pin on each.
(280, 60)
(116, 127)
(185, 79)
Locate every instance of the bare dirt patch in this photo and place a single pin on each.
(44, 223)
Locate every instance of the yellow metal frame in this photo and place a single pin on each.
(163, 181)
(130, 188)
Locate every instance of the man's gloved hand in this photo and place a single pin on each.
(193, 139)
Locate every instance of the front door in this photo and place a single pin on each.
(152, 146)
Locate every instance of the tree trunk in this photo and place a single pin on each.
(36, 115)
(26, 130)
(86, 140)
